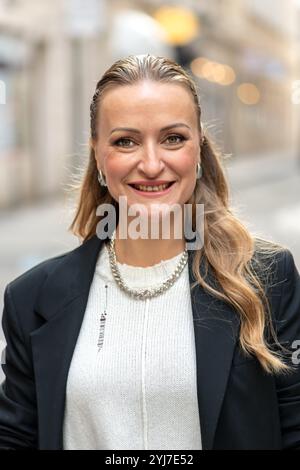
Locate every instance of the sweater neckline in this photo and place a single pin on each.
(137, 276)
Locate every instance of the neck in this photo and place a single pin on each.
(146, 252)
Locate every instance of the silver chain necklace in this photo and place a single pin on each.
(143, 294)
(140, 294)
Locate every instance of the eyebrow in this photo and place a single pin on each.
(130, 129)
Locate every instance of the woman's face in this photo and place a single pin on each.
(148, 132)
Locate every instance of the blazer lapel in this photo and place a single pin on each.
(62, 302)
(216, 328)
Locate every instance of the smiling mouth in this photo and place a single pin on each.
(151, 188)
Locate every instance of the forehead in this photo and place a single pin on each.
(139, 102)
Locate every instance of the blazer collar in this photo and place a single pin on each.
(62, 303)
(71, 278)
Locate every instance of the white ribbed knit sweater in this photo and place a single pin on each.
(140, 390)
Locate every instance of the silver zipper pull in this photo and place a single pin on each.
(102, 322)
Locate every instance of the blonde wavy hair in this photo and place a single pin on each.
(234, 256)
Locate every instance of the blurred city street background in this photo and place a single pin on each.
(244, 56)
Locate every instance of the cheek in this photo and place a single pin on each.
(185, 164)
(116, 169)
(187, 170)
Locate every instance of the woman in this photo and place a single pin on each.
(148, 342)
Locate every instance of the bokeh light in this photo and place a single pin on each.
(248, 93)
(180, 24)
(221, 74)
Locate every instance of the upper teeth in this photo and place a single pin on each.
(151, 188)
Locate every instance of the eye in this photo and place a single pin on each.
(176, 136)
(125, 140)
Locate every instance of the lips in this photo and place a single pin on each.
(151, 193)
(136, 186)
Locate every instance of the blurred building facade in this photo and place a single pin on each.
(257, 39)
(257, 42)
(45, 91)
(53, 53)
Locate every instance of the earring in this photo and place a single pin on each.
(202, 133)
(199, 171)
(101, 179)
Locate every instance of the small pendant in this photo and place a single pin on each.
(102, 323)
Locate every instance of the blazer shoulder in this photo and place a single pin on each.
(272, 262)
(53, 273)
(278, 274)
(33, 278)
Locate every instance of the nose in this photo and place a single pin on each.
(151, 163)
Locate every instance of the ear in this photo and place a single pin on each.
(91, 143)
(200, 135)
(93, 146)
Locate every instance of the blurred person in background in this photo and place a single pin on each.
(143, 343)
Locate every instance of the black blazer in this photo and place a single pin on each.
(240, 406)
